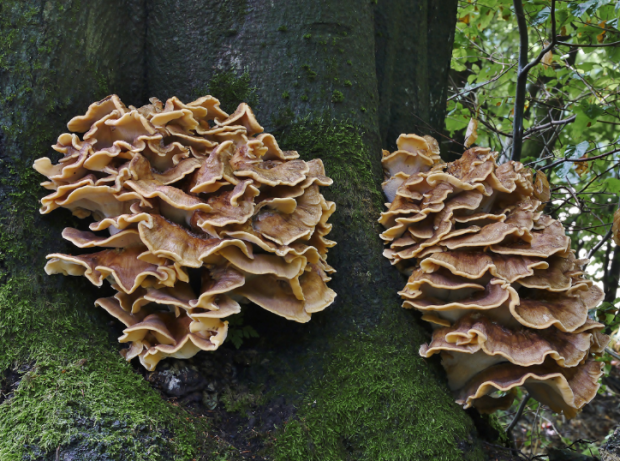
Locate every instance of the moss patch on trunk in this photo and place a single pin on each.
(377, 400)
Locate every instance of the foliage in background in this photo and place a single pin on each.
(572, 117)
(571, 130)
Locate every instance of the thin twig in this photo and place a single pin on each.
(492, 128)
(579, 229)
(612, 353)
(518, 415)
(550, 124)
(590, 87)
(588, 45)
(577, 160)
(600, 243)
(523, 69)
(481, 85)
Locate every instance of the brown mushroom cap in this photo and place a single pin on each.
(507, 297)
(564, 390)
(175, 186)
(96, 111)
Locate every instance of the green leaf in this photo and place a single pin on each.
(580, 8)
(577, 151)
(612, 185)
(541, 16)
(592, 111)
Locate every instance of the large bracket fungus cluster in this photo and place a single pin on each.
(179, 190)
(496, 278)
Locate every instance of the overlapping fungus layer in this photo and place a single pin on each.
(180, 189)
(497, 278)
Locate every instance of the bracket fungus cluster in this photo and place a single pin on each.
(496, 278)
(195, 211)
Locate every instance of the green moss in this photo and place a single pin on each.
(232, 90)
(377, 401)
(337, 96)
(282, 28)
(494, 422)
(307, 36)
(311, 74)
(341, 146)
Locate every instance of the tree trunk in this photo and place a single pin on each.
(337, 80)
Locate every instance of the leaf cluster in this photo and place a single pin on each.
(572, 109)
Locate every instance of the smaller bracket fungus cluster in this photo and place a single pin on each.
(496, 278)
(195, 211)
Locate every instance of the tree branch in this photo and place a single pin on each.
(456, 95)
(577, 160)
(492, 128)
(515, 420)
(613, 276)
(600, 243)
(550, 124)
(522, 72)
(589, 46)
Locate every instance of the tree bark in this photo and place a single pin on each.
(337, 80)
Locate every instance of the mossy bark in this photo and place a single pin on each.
(337, 80)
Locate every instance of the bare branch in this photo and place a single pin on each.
(522, 72)
(549, 125)
(481, 85)
(600, 244)
(515, 420)
(612, 353)
(492, 128)
(600, 45)
(577, 160)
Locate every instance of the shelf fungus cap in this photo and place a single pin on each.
(181, 189)
(506, 296)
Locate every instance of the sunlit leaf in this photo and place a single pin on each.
(547, 58)
(582, 168)
(472, 132)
